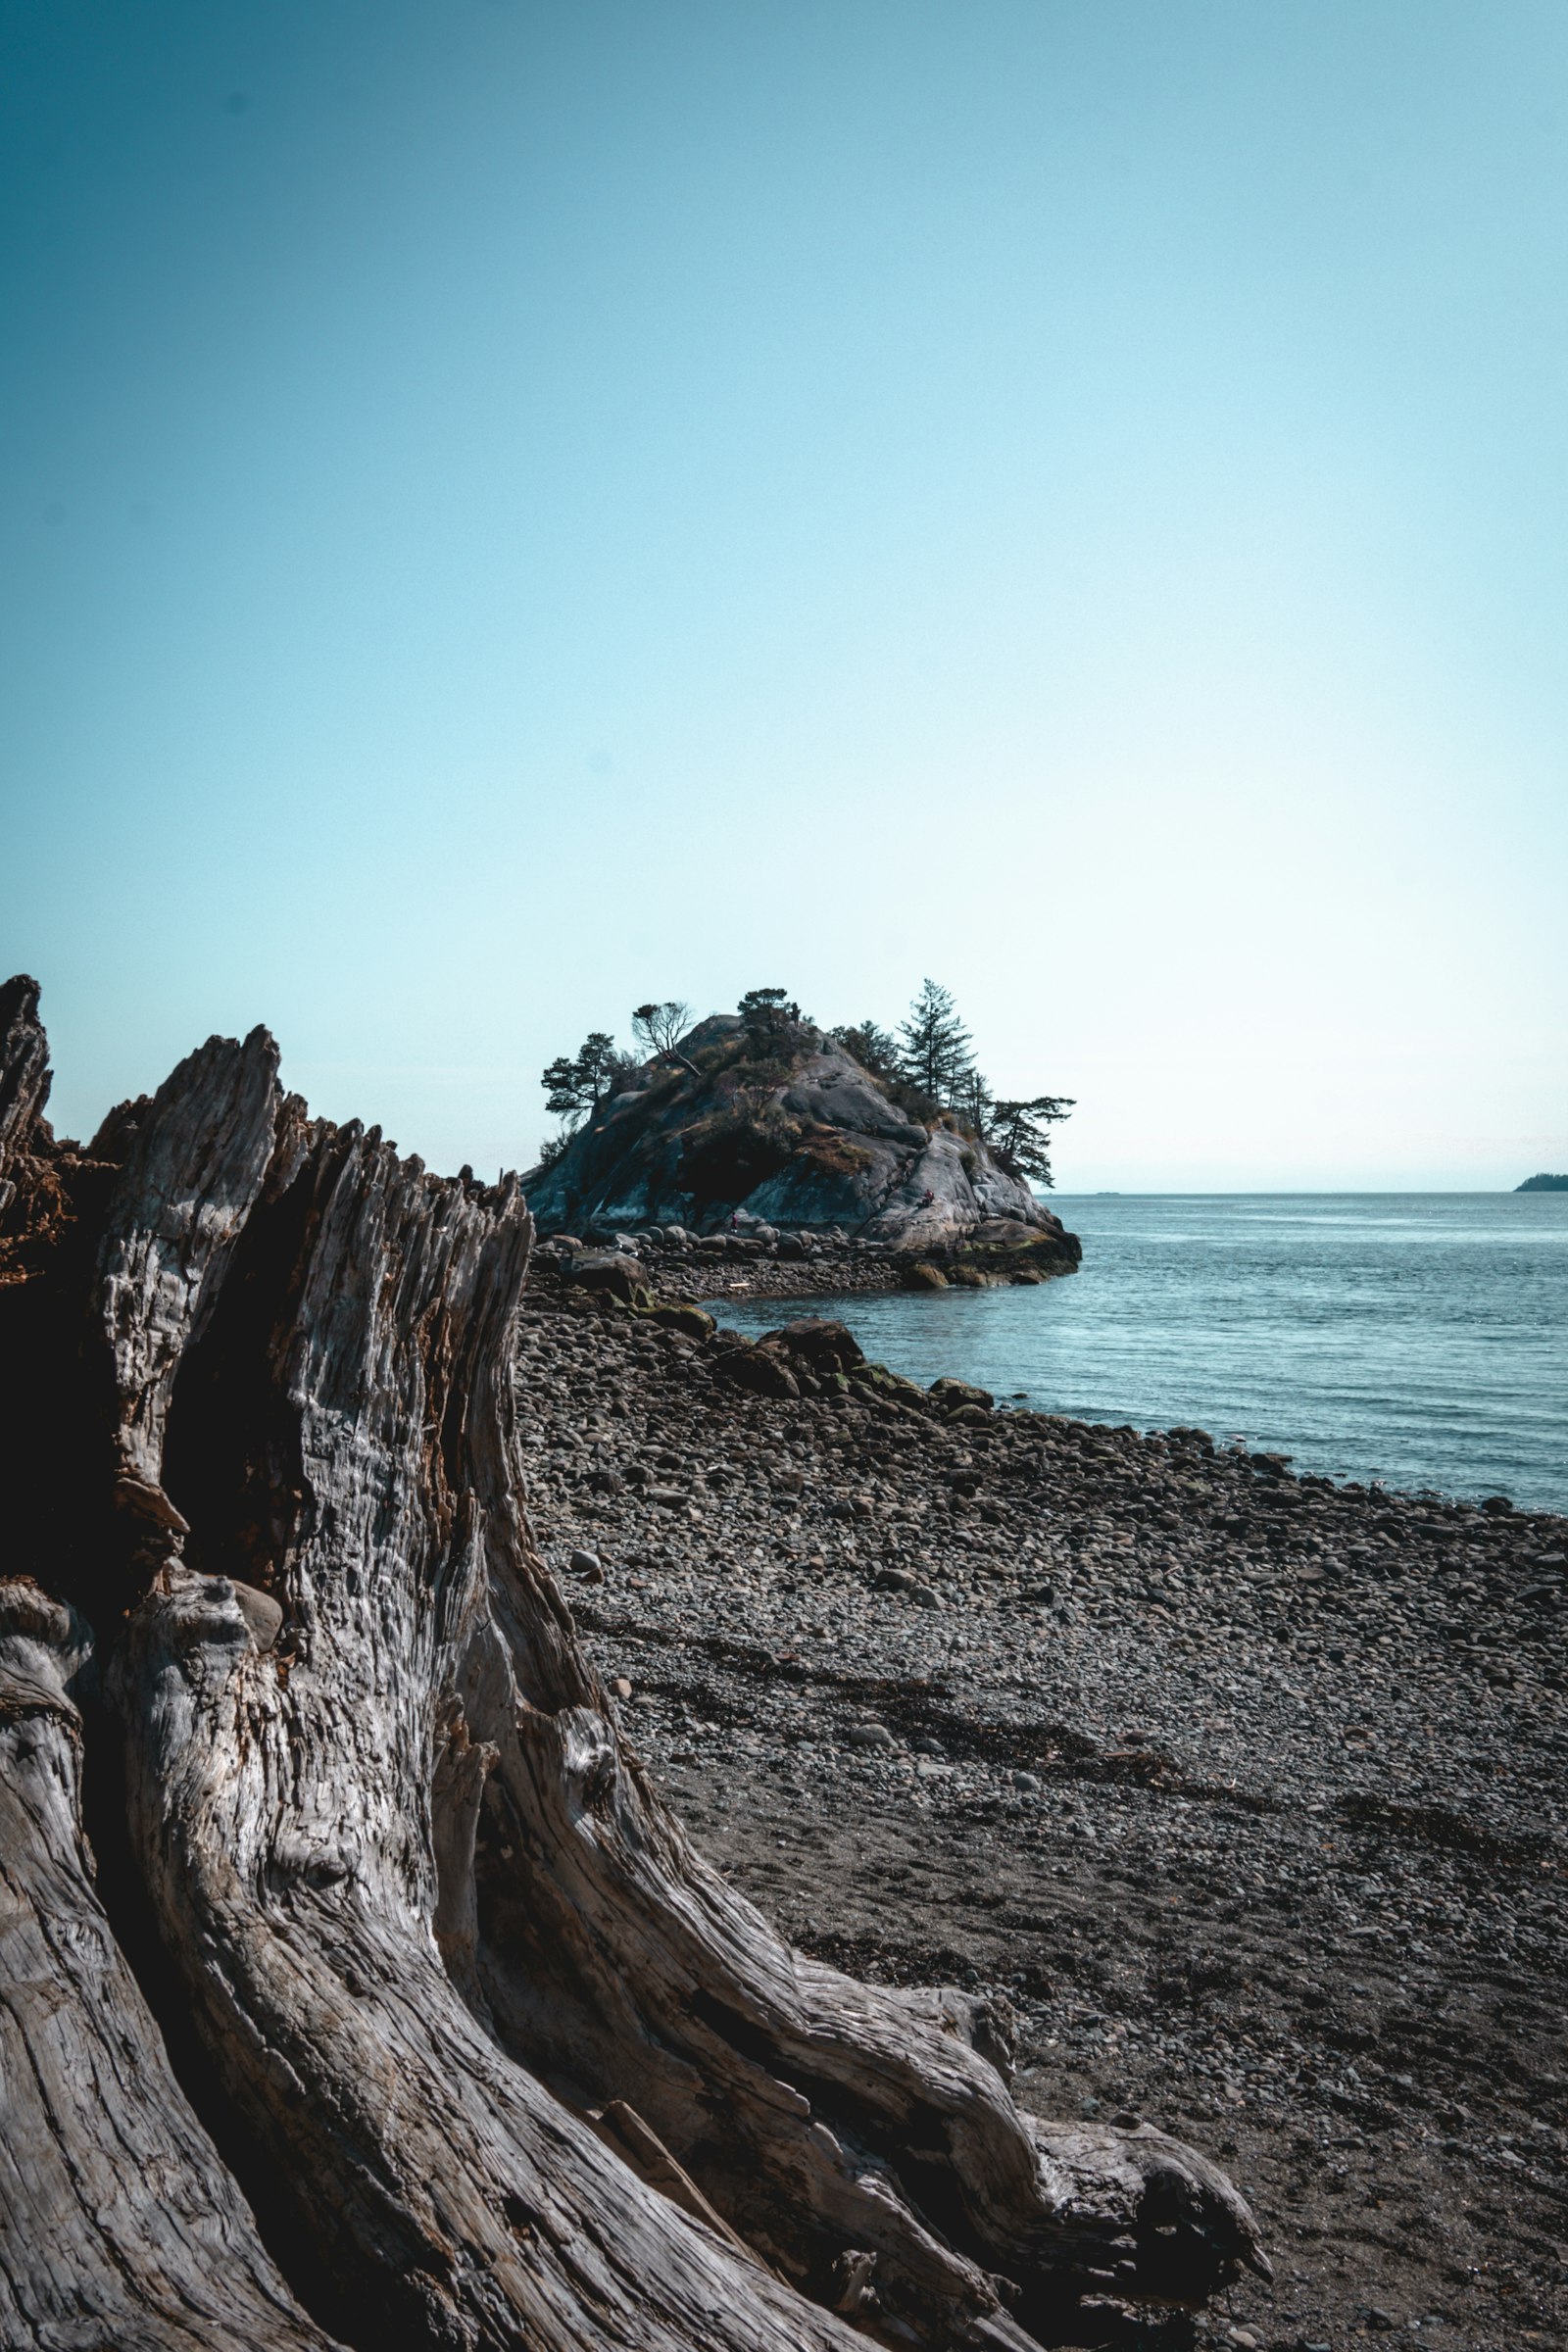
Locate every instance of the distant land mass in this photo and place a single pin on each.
(1542, 1184)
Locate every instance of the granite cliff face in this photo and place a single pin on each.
(792, 1131)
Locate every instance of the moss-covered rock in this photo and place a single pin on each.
(1019, 1257)
(820, 1345)
(959, 1395)
(611, 1273)
(693, 1321)
(883, 1383)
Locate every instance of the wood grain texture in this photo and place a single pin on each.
(119, 2223)
(556, 2084)
(24, 1079)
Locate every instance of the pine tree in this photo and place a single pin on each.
(575, 1087)
(768, 1014)
(871, 1046)
(1019, 1134)
(937, 1056)
(660, 1028)
(974, 1103)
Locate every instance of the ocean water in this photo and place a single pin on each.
(1418, 1338)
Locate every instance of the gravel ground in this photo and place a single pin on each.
(1246, 1791)
(727, 1266)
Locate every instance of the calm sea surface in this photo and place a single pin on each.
(1419, 1338)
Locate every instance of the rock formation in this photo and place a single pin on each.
(792, 1131)
(288, 2053)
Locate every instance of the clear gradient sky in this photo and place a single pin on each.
(511, 509)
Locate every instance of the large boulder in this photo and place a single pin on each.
(819, 1343)
(614, 1272)
(758, 1369)
(961, 1395)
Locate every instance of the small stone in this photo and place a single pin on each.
(869, 1735)
(261, 1612)
(1027, 1784)
(587, 1564)
(1245, 2337)
(622, 1687)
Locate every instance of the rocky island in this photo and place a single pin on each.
(760, 1128)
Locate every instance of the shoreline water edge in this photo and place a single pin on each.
(1242, 1791)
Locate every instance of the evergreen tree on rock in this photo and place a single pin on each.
(937, 1055)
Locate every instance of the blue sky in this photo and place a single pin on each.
(509, 510)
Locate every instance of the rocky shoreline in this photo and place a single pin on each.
(1243, 1791)
(758, 1261)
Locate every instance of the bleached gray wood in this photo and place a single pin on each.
(23, 1065)
(23, 1084)
(191, 1178)
(283, 1816)
(120, 2226)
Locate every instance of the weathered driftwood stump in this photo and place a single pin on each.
(319, 2058)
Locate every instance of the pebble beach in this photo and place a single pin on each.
(1240, 1793)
